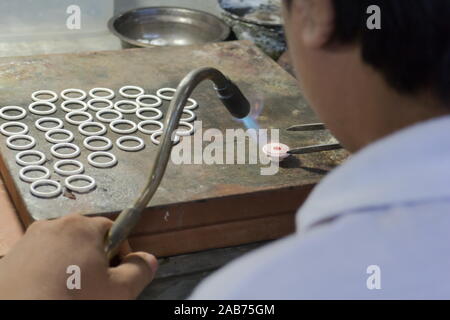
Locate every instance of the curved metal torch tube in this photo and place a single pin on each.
(231, 97)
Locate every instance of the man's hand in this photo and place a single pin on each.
(36, 268)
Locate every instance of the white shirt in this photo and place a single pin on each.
(387, 208)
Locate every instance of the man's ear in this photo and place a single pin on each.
(314, 20)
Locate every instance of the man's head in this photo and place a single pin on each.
(365, 83)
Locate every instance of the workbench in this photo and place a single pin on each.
(197, 207)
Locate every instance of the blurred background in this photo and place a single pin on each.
(30, 27)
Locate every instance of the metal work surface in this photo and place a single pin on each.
(259, 78)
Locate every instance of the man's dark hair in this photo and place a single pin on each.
(412, 48)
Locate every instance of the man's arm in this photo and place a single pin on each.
(37, 267)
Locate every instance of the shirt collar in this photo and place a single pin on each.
(410, 165)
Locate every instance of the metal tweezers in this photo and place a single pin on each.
(315, 148)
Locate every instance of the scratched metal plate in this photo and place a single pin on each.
(257, 75)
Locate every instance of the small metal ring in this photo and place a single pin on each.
(157, 104)
(72, 155)
(99, 115)
(111, 95)
(126, 102)
(13, 124)
(58, 121)
(48, 136)
(33, 110)
(23, 171)
(92, 124)
(89, 187)
(78, 113)
(94, 108)
(188, 132)
(64, 94)
(192, 106)
(20, 116)
(160, 93)
(140, 146)
(35, 95)
(147, 122)
(46, 195)
(62, 172)
(191, 117)
(23, 154)
(113, 127)
(109, 164)
(123, 93)
(159, 114)
(24, 137)
(99, 138)
(83, 105)
(158, 134)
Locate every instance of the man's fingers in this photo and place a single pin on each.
(135, 272)
(103, 224)
(124, 250)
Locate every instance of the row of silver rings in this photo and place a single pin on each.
(57, 186)
(72, 176)
(139, 109)
(93, 93)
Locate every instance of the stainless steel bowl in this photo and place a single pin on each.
(167, 26)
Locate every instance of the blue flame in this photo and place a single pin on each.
(251, 121)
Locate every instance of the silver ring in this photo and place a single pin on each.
(23, 154)
(160, 93)
(61, 163)
(83, 105)
(126, 102)
(17, 147)
(35, 95)
(110, 95)
(188, 132)
(92, 124)
(78, 113)
(97, 138)
(64, 94)
(32, 108)
(23, 171)
(89, 187)
(46, 195)
(109, 164)
(123, 93)
(91, 103)
(140, 146)
(38, 125)
(156, 104)
(147, 122)
(191, 117)
(140, 111)
(192, 106)
(72, 155)
(158, 134)
(48, 136)
(23, 113)
(100, 114)
(113, 127)
(13, 124)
